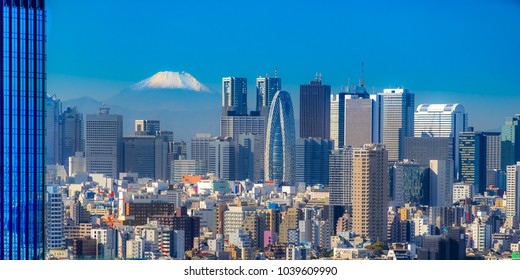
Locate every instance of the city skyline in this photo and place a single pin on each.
(439, 60)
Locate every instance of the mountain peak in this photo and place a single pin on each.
(171, 80)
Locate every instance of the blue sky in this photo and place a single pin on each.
(464, 51)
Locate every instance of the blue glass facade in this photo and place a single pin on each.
(22, 125)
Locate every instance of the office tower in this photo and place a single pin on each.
(54, 215)
(370, 191)
(315, 110)
(266, 87)
(234, 96)
(23, 129)
(513, 194)
(249, 157)
(340, 177)
(441, 182)
(222, 158)
(72, 134)
(462, 191)
(53, 130)
(494, 174)
(409, 183)
(233, 126)
(147, 127)
(184, 167)
(165, 134)
(441, 120)
(472, 149)
(233, 218)
(200, 149)
(178, 150)
(423, 149)
(279, 160)
(398, 120)
(510, 149)
(104, 143)
(146, 156)
(312, 160)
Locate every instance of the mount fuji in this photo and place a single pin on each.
(177, 99)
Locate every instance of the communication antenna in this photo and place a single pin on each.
(276, 72)
(362, 74)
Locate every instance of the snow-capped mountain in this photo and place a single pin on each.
(171, 80)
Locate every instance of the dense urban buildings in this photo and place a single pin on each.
(23, 123)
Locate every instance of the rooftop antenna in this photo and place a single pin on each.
(362, 74)
(276, 72)
(316, 76)
(320, 77)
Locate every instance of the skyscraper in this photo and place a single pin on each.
(441, 120)
(249, 157)
(104, 143)
(513, 194)
(312, 160)
(255, 124)
(355, 117)
(200, 149)
(53, 131)
(423, 149)
(340, 177)
(222, 158)
(315, 110)
(510, 141)
(370, 191)
(234, 96)
(146, 155)
(23, 129)
(398, 120)
(409, 184)
(266, 88)
(72, 134)
(472, 169)
(280, 140)
(54, 215)
(494, 175)
(441, 182)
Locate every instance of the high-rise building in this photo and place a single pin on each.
(53, 130)
(312, 160)
(222, 158)
(72, 134)
(22, 106)
(147, 127)
(510, 149)
(441, 120)
(176, 151)
(472, 169)
(513, 194)
(340, 177)
(423, 149)
(249, 157)
(315, 110)
(370, 191)
(266, 87)
(104, 143)
(200, 149)
(279, 160)
(254, 124)
(398, 120)
(355, 117)
(146, 155)
(409, 184)
(54, 215)
(494, 174)
(441, 183)
(234, 96)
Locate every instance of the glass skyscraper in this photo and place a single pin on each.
(280, 140)
(22, 125)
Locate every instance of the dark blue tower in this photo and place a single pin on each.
(22, 126)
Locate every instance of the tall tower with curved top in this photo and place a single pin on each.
(280, 140)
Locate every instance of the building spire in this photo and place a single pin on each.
(276, 72)
(362, 74)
